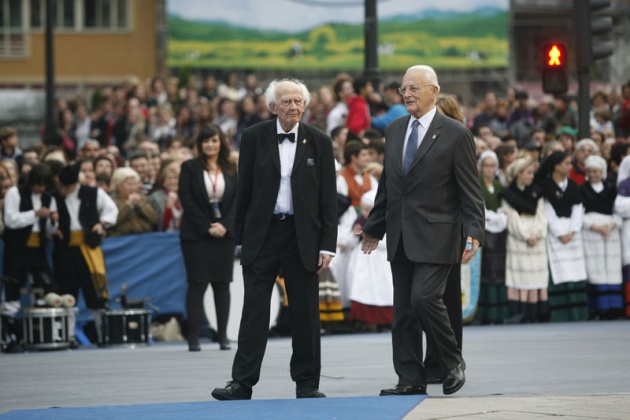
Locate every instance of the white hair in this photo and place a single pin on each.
(589, 142)
(428, 72)
(270, 93)
(120, 175)
(91, 141)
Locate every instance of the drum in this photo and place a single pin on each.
(126, 326)
(46, 328)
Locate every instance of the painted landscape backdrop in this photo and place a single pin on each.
(442, 39)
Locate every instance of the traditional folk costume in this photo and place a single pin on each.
(352, 185)
(492, 305)
(603, 255)
(526, 267)
(78, 258)
(25, 239)
(370, 279)
(563, 204)
(622, 208)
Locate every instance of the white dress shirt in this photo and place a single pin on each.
(284, 202)
(577, 213)
(107, 210)
(425, 122)
(15, 219)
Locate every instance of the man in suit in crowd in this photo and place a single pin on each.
(286, 218)
(428, 200)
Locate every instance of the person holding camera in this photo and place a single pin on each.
(207, 191)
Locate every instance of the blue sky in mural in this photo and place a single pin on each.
(299, 15)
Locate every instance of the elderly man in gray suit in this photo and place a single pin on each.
(428, 200)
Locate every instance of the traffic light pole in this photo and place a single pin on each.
(584, 104)
(50, 75)
(371, 70)
(588, 51)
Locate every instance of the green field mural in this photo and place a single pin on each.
(442, 40)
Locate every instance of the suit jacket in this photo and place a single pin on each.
(438, 203)
(313, 186)
(195, 201)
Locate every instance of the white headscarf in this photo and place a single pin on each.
(596, 162)
(487, 154)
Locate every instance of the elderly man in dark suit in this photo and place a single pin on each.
(428, 200)
(286, 218)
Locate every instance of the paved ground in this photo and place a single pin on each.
(575, 370)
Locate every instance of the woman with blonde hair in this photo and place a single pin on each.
(526, 271)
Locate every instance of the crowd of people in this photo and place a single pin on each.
(557, 207)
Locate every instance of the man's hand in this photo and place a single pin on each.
(324, 262)
(369, 242)
(471, 250)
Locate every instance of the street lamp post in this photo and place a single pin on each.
(371, 70)
(50, 74)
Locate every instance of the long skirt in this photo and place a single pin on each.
(567, 301)
(603, 267)
(492, 305)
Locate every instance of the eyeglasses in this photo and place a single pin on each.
(287, 102)
(413, 89)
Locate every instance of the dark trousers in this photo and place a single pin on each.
(280, 250)
(72, 274)
(453, 300)
(19, 264)
(418, 291)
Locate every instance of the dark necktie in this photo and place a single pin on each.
(412, 147)
(282, 136)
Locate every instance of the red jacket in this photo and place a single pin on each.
(358, 115)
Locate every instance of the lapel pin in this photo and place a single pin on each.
(434, 136)
(304, 141)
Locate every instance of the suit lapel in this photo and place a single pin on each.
(301, 141)
(202, 183)
(432, 134)
(272, 142)
(398, 145)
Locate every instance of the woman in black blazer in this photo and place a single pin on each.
(207, 191)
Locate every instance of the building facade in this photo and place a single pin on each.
(96, 42)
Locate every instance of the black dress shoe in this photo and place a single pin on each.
(194, 347)
(454, 380)
(309, 393)
(225, 345)
(404, 390)
(232, 391)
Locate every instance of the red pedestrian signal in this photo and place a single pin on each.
(554, 55)
(555, 78)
